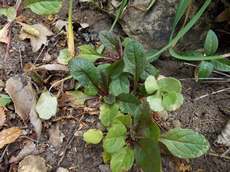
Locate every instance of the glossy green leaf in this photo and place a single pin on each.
(134, 59)
(150, 70)
(4, 100)
(85, 72)
(130, 108)
(222, 65)
(90, 90)
(205, 69)
(44, 7)
(9, 12)
(64, 57)
(93, 136)
(170, 84)
(149, 55)
(128, 98)
(115, 138)
(185, 143)
(151, 85)
(115, 69)
(108, 113)
(211, 43)
(109, 40)
(147, 155)
(172, 101)
(119, 85)
(122, 160)
(46, 106)
(155, 103)
(88, 52)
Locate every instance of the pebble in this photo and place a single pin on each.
(104, 168)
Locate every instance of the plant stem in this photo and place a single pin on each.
(70, 35)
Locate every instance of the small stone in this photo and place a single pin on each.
(61, 169)
(104, 168)
(32, 163)
(176, 124)
(78, 133)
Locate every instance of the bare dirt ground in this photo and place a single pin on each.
(206, 115)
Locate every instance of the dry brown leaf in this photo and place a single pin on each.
(32, 163)
(54, 67)
(224, 137)
(9, 135)
(37, 34)
(4, 36)
(29, 148)
(56, 136)
(223, 16)
(2, 116)
(23, 96)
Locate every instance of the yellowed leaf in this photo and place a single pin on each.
(4, 37)
(9, 135)
(2, 116)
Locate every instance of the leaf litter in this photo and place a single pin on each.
(23, 96)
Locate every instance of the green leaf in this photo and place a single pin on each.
(85, 72)
(185, 143)
(128, 98)
(64, 57)
(122, 160)
(4, 100)
(44, 7)
(205, 69)
(147, 155)
(9, 12)
(211, 43)
(106, 157)
(149, 55)
(108, 113)
(115, 69)
(93, 136)
(125, 119)
(151, 85)
(119, 85)
(46, 106)
(170, 84)
(172, 101)
(109, 40)
(115, 138)
(77, 97)
(88, 52)
(90, 90)
(150, 70)
(180, 11)
(222, 65)
(155, 103)
(134, 59)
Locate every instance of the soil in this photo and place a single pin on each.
(206, 115)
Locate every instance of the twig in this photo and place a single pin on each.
(59, 82)
(20, 57)
(215, 92)
(219, 156)
(67, 146)
(3, 153)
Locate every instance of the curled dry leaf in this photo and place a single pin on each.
(224, 137)
(2, 116)
(32, 163)
(56, 136)
(29, 148)
(23, 96)
(37, 34)
(9, 135)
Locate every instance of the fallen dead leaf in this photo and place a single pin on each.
(32, 163)
(29, 148)
(9, 135)
(60, 24)
(55, 136)
(224, 137)
(47, 57)
(4, 36)
(37, 34)
(23, 96)
(61, 169)
(2, 116)
(53, 67)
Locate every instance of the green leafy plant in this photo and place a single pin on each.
(131, 90)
